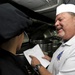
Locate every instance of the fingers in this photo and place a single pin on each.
(31, 56)
(34, 60)
(47, 58)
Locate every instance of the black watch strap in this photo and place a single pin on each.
(38, 66)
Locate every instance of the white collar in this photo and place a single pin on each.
(69, 42)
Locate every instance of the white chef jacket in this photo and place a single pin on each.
(63, 60)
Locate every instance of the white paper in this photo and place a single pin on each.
(37, 52)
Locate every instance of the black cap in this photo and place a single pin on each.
(12, 21)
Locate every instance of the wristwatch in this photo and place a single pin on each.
(38, 66)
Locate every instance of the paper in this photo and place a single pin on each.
(37, 52)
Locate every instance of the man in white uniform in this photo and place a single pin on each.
(63, 60)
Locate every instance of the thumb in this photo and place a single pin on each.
(31, 56)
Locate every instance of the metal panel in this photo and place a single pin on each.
(44, 7)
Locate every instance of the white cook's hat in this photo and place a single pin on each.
(65, 8)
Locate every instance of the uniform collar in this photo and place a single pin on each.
(69, 42)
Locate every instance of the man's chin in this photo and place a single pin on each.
(60, 35)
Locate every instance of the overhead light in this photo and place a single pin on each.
(47, 1)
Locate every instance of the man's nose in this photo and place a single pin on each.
(56, 23)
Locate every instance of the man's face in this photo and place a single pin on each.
(65, 25)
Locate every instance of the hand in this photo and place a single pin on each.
(47, 57)
(34, 61)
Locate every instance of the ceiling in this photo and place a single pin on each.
(44, 7)
(38, 9)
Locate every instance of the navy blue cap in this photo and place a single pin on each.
(12, 21)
